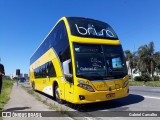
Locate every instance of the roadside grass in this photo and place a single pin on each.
(45, 101)
(5, 95)
(142, 83)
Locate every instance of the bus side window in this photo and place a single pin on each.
(51, 70)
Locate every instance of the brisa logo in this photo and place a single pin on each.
(91, 30)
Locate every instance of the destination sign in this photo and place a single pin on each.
(92, 31)
(91, 28)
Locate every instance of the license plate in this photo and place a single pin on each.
(110, 95)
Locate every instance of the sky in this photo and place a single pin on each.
(25, 23)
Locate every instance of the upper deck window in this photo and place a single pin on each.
(83, 27)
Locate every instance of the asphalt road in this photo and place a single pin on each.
(140, 99)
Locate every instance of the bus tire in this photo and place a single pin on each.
(57, 95)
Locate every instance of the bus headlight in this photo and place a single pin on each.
(125, 84)
(86, 87)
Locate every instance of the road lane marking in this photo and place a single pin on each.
(151, 97)
(88, 118)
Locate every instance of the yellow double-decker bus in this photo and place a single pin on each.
(80, 61)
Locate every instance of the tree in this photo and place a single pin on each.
(157, 61)
(129, 58)
(146, 61)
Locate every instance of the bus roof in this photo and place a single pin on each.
(83, 23)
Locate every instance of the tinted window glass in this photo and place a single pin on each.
(62, 44)
(99, 61)
(84, 27)
(51, 70)
(58, 39)
(45, 70)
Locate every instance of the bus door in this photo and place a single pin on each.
(69, 85)
(69, 89)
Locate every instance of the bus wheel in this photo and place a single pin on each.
(57, 95)
(33, 86)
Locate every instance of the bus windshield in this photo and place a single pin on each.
(95, 62)
(90, 28)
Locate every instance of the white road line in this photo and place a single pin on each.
(151, 97)
(89, 118)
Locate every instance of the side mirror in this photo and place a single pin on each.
(66, 68)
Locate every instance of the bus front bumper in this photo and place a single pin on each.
(99, 96)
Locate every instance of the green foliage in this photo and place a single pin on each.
(15, 78)
(153, 83)
(30, 92)
(136, 83)
(156, 78)
(142, 83)
(138, 78)
(6, 90)
(6, 78)
(158, 66)
(146, 77)
(143, 77)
